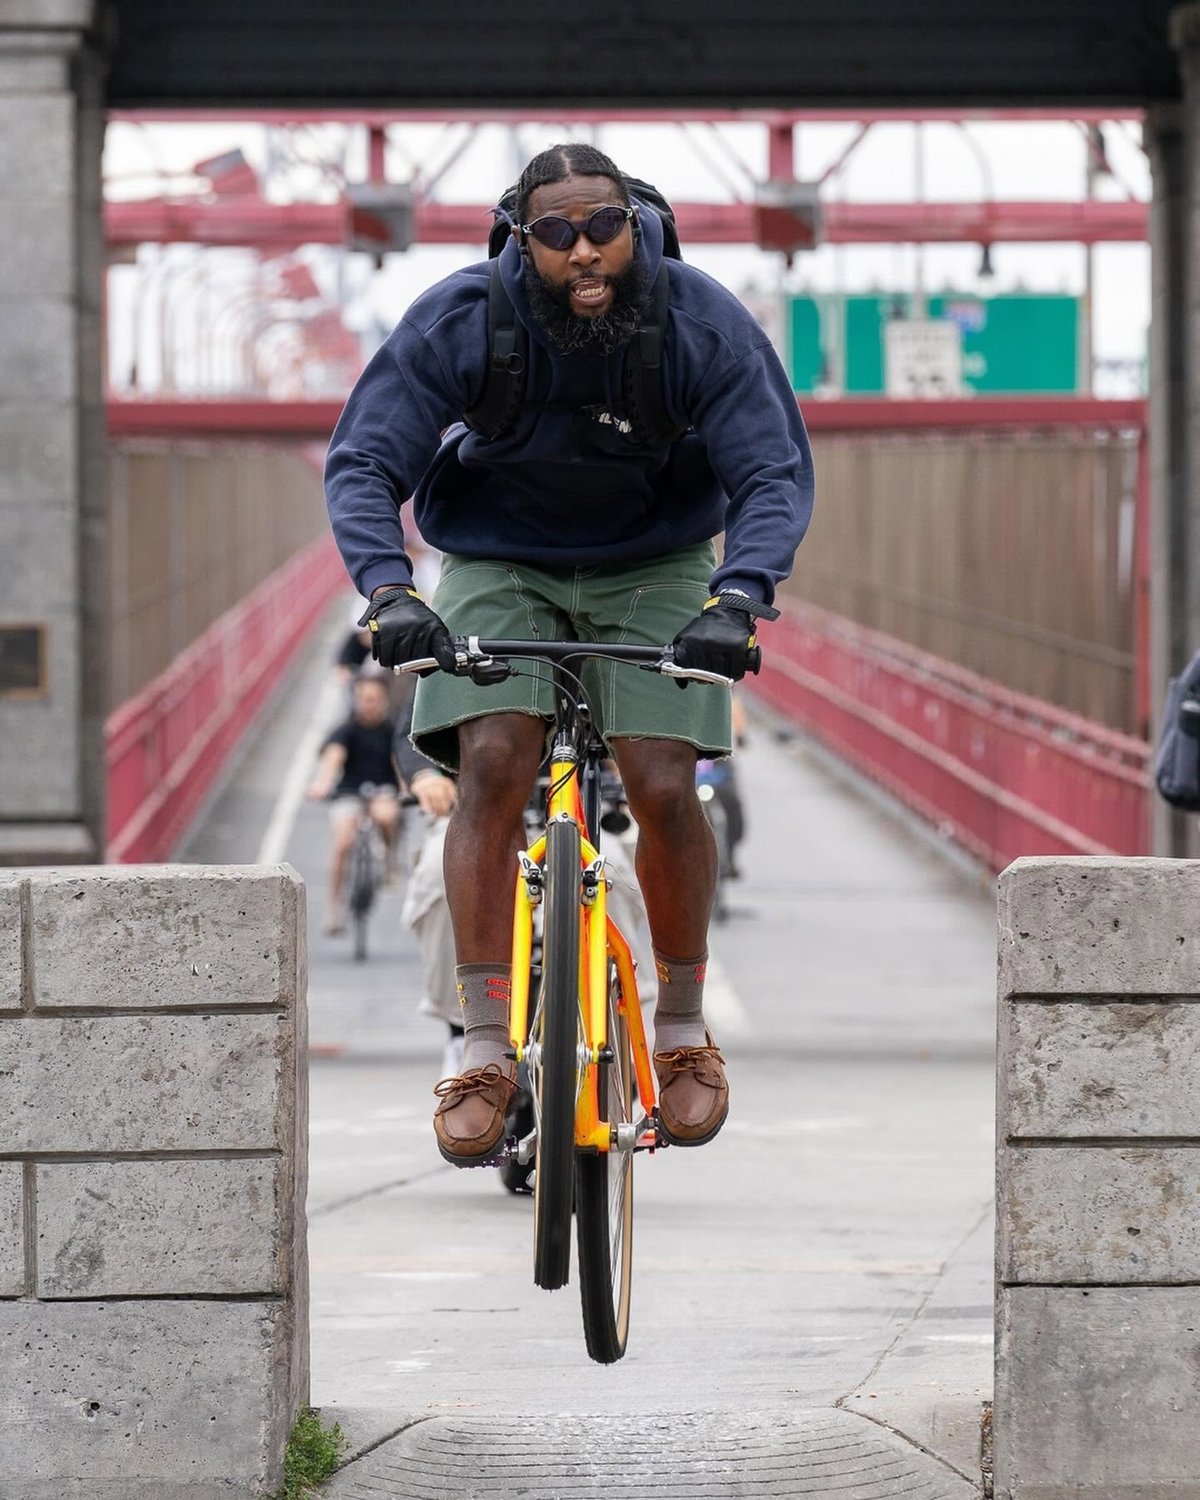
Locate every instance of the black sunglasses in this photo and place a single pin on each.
(557, 233)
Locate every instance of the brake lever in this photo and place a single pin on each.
(694, 674)
(486, 672)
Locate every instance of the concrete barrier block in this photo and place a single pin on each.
(1100, 926)
(143, 1400)
(1106, 1215)
(1091, 1069)
(12, 1230)
(141, 937)
(1098, 1393)
(10, 943)
(110, 1084)
(146, 1228)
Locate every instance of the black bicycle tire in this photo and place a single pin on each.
(558, 1038)
(605, 1297)
(360, 877)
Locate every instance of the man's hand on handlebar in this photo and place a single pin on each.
(720, 639)
(403, 628)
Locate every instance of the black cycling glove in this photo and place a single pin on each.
(721, 638)
(404, 628)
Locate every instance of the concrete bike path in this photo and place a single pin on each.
(813, 1288)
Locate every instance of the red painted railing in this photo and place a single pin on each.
(1002, 774)
(166, 747)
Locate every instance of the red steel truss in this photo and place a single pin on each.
(314, 420)
(254, 222)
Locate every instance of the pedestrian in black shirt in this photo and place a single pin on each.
(357, 754)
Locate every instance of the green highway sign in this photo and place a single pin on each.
(1013, 343)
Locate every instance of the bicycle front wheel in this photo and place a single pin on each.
(604, 1208)
(556, 1032)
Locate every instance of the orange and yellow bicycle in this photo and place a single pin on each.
(577, 1024)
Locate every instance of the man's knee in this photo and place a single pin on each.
(498, 759)
(343, 835)
(386, 813)
(659, 778)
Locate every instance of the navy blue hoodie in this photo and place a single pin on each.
(565, 487)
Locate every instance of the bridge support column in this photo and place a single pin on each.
(153, 1168)
(1097, 1246)
(53, 593)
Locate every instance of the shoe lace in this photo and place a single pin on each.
(687, 1059)
(474, 1081)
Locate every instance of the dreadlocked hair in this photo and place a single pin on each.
(568, 159)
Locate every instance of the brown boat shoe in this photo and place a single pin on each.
(469, 1121)
(693, 1096)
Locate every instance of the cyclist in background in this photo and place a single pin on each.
(358, 753)
(577, 519)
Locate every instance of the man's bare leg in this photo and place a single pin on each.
(676, 851)
(499, 757)
(343, 838)
(498, 761)
(677, 870)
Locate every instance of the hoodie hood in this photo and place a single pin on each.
(648, 249)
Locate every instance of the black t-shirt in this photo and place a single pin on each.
(354, 651)
(368, 754)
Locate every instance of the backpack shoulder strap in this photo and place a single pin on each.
(503, 391)
(641, 378)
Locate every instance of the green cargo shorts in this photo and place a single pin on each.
(641, 603)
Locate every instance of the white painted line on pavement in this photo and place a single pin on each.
(722, 1005)
(273, 848)
(423, 1275)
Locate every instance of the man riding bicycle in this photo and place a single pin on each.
(357, 754)
(574, 523)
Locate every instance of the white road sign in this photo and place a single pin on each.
(922, 358)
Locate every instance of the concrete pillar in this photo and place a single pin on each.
(153, 1167)
(1098, 1181)
(1169, 432)
(53, 589)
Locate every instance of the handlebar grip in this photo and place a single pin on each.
(754, 659)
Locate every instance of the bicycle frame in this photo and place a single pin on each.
(601, 940)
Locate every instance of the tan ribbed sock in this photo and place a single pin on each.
(484, 991)
(679, 1014)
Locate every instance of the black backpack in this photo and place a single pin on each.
(1177, 760)
(503, 393)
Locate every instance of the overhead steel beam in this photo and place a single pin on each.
(660, 115)
(255, 222)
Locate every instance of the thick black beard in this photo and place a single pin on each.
(572, 333)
